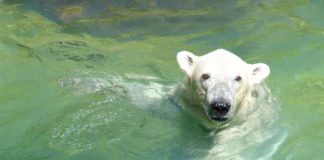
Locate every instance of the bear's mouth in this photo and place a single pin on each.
(218, 118)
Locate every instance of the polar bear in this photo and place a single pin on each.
(219, 86)
(229, 97)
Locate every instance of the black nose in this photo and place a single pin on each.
(220, 106)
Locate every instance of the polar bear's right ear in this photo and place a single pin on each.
(186, 61)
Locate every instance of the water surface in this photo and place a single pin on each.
(83, 80)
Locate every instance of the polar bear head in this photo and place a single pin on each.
(220, 82)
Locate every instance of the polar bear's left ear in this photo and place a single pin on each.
(260, 72)
(186, 61)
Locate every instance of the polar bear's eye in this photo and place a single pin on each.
(238, 78)
(205, 76)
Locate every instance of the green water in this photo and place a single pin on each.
(90, 80)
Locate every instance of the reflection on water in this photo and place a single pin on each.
(114, 17)
(94, 80)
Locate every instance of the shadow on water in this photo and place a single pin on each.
(114, 17)
(76, 51)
